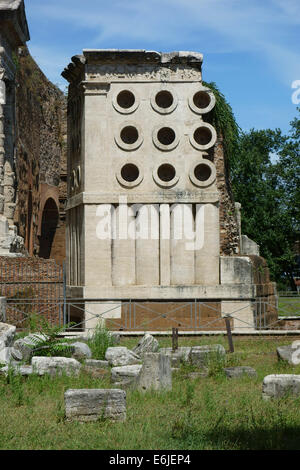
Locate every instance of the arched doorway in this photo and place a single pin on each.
(48, 228)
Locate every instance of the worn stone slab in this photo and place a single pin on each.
(121, 356)
(81, 350)
(200, 355)
(7, 335)
(55, 366)
(156, 372)
(8, 355)
(179, 356)
(280, 385)
(240, 371)
(27, 344)
(125, 375)
(146, 344)
(285, 353)
(93, 404)
(96, 363)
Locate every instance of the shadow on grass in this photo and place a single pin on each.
(256, 439)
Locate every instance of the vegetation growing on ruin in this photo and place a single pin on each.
(222, 118)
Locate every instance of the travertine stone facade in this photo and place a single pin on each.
(150, 208)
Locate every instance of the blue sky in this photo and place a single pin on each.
(251, 47)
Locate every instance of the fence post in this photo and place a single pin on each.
(229, 334)
(174, 339)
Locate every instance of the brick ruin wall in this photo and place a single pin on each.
(40, 154)
(31, 286)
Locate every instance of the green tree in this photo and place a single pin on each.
(265, 180)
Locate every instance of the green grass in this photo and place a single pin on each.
(205, 413)
(289, 306)
(99, 342)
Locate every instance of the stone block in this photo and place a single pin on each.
(125, 375)
(156, 373)
(81, 350)
(285, 353)
(7, 355)
(94, 404)
(147, 344)
(248, 246)
(242, 312)
(55, 366)
(236, 270)
(121, 356)
(7, 333)
(280, 385)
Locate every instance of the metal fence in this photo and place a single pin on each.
(135, 316)
(35, 288)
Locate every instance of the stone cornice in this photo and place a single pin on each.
(13, 18)
(142, 198)
(151, 60)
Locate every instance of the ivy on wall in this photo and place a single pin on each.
(222, 118)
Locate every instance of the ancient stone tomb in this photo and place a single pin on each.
(150, 215)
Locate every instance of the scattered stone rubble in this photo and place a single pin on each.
(146, 367)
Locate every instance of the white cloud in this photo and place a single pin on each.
(263, 27)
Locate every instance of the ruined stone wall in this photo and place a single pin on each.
(229, 231)
(40, 152)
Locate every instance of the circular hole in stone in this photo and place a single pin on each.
(130, 172)
(125, 99)
(201, 99)
(164, 99)
(129, 135)
(202, 135)
(202, 172)
(166, 172)
(166, 135)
